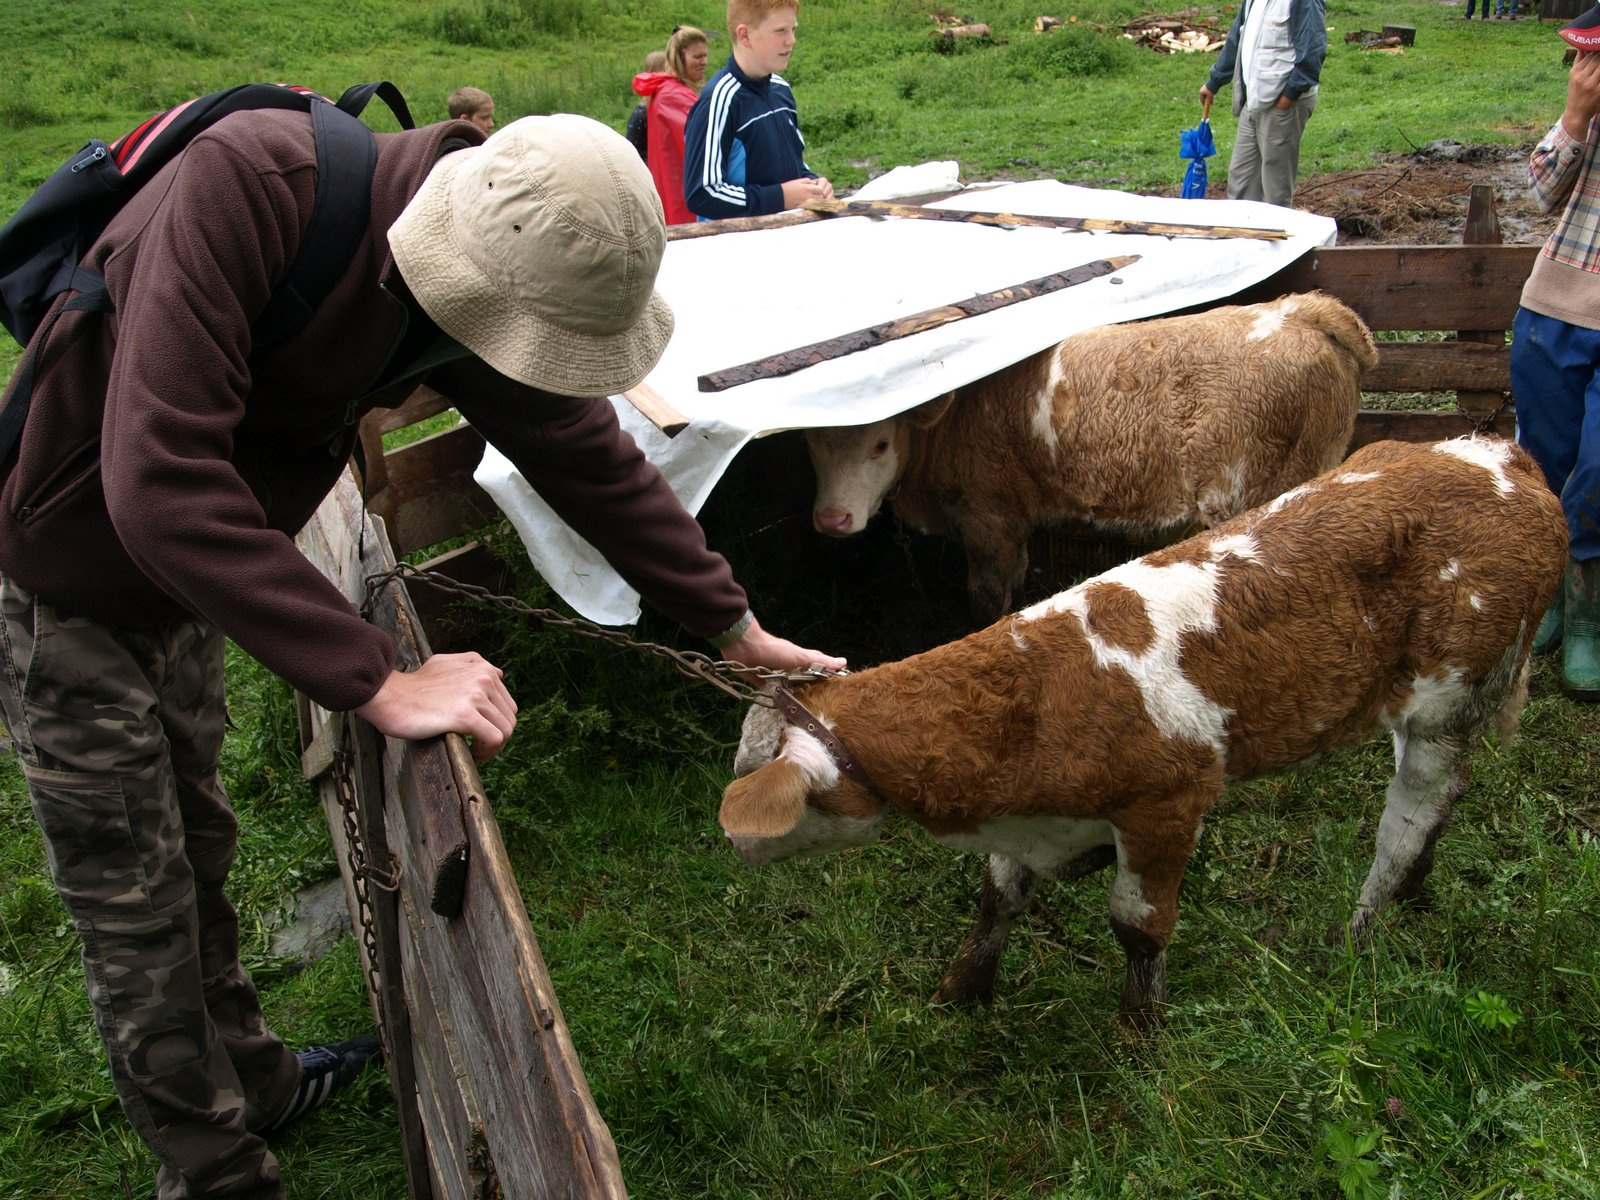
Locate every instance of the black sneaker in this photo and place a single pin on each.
(325, 1070)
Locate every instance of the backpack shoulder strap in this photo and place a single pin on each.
(354, 101)
(346, 156)
(91, 297)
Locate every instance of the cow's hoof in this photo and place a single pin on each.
(1144, 1019)
(954, 990)
(1355, 935)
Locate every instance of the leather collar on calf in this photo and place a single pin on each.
(801, 717)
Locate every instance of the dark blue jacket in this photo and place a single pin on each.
(741, 145)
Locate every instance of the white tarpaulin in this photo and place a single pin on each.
(739, 297)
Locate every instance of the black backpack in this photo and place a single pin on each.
(43, 243)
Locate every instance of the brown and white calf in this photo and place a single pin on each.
(1399, 591)
(1152, 427)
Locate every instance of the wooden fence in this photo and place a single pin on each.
(491, 1096)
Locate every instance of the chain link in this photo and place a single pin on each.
(734, 678)
(1486, 425)
(362, 872)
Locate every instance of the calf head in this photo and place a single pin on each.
(858, 465)
(789, 798)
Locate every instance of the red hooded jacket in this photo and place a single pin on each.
(670, 102)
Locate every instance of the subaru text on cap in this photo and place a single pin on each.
(1583, 33)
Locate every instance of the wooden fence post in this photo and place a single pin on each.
(1482, 229)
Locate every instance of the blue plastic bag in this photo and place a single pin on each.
(1197, 145)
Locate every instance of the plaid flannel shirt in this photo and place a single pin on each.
(1563, 168)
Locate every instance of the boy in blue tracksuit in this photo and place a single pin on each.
(743, 153)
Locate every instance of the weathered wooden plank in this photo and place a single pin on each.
(906, 211)
(790, 361)
(1439, 367)
(1411, 287)
(419, 406)
(429, 788)
(366, 776)
(546, 1139)
(400, 1062)
(448, 1114)
(423, 403)
(1482, 228)
(910, 208)
(1373, 426)
(383, 905)
(653, 406)
(483, 970)
(429, 495)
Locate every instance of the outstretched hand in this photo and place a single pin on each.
(450, 693)
(758, 648)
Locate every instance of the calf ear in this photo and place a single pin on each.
(926, 416)
(765, 803)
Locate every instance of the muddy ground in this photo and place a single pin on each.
(1421, 197)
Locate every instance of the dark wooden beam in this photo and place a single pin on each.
(790, 361)
(429, 494)
(1411, 287)
(1439, 367)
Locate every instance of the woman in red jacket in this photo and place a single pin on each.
(672, 94)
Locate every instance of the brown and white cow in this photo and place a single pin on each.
(1399, 591)
(1152, 427)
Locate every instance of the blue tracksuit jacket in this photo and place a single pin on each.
(742, 143)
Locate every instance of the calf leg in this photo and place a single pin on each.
(997, 567)
(1144, 909)
(1430, 773)
(1429, 777)
(1008, 889)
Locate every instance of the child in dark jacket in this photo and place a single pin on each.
(743, 153)
(638, 131)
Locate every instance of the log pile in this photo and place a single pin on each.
(1371, 40)
(952, 28)
(1177, 34)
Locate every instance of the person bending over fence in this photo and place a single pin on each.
(149, 512)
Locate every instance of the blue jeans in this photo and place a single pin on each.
(1555, 379)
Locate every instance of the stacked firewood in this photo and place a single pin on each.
(1173, 35)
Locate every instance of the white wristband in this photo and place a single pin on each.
(735, 631)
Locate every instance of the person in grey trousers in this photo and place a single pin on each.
(1273, 57)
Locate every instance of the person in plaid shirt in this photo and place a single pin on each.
(1555, 357)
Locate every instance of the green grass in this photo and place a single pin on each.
(767, 1033)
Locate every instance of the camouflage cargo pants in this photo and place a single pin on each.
(119, 732)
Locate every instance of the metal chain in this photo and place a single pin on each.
(361, 871)
(1487, 424)
(734, 678)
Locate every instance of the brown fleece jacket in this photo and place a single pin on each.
(165, 466)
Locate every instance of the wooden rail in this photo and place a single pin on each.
(491, 1095)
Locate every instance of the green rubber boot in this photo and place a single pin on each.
(1580, 658)
(1548, 636)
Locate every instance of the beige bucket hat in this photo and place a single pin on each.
(538, 252)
